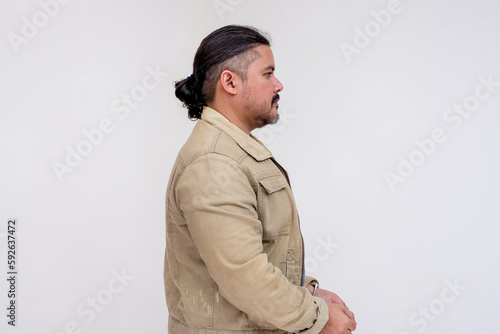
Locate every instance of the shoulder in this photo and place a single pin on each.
(207, 140)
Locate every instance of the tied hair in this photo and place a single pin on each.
(189, 92)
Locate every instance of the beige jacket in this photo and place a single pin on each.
(234, 257)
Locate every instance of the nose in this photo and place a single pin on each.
(278, 87)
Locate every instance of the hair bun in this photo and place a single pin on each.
(187, 92)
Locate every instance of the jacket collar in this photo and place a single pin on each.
(248, 143)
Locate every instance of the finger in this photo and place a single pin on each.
(349, 313)
(337, 300)
(352, 326)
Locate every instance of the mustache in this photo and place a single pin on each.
(276, 98)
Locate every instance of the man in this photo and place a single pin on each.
(234, 259)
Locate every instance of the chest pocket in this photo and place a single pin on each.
(274, 206)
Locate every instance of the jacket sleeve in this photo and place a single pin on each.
(310, 280)
(219, 204)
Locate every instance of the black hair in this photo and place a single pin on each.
(228, 48)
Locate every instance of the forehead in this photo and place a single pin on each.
(265, 59)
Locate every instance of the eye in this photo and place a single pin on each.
(269, 74)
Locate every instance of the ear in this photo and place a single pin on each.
(230, 82)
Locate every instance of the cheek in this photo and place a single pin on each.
(267, 88)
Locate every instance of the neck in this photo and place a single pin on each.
(232, 116)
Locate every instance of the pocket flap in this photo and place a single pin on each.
(273, 183)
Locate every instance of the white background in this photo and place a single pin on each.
(346, 121)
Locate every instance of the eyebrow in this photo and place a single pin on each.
(270, 67)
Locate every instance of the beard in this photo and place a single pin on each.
(263, 113)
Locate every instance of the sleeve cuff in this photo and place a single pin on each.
(322, 317)
(308, 280)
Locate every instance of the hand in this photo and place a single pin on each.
(328, 296)
(340, 320)
(332, 298)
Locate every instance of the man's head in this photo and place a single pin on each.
(225, 67)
